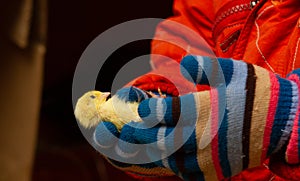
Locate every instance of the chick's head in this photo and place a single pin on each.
(87, 108)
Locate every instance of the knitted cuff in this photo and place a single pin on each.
(285, 97)
(293, 148)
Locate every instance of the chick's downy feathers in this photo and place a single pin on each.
(94, 106)
(87, 108)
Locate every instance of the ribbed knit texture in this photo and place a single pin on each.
(293, 148)
(249, 114)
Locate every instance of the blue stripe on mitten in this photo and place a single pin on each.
(131, 94)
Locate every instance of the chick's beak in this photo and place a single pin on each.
(105, 94)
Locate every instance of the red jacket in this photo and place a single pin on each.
(265, 33)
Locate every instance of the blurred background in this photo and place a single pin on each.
(41, 43)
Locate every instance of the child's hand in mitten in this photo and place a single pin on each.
(248, 115)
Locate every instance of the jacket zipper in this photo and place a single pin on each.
(229, 11)
(253, 3)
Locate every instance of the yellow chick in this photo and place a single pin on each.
(94, 106)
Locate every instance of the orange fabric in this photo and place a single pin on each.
(175, 42)
(267, 35)
(168, 79)
(278, 166)
(143, 178)
(270, 35)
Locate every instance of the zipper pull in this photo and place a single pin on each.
(253, 3)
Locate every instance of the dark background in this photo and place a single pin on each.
(62, 152)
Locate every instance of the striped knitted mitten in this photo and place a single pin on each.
(247, 115)
(269, 98)
(122, 155)
(108, 140)
(293, 148)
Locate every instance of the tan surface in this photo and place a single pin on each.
(21, 65)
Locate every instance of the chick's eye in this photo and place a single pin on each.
(92, 96)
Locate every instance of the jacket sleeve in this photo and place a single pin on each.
(188, 31)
